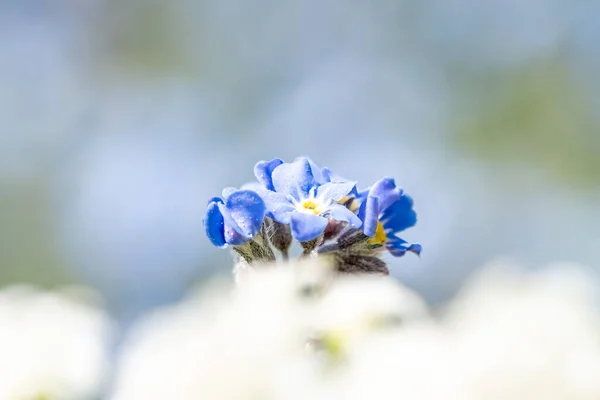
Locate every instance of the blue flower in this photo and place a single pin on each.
(263, 171)
(385, 210)
(303, 195)
(235, 220)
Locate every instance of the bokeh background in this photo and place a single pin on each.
(119, 119)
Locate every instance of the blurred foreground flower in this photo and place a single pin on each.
(265, 340)
(52, 345)
(324, 212)
(301, 332)
(531, 336)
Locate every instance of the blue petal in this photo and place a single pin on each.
(415, 248)
(386, 190)
(353, 192)
(398, 247)
(400, 215)
(327, 176)
(278, 207)
(248, 210)
(335, 190)
(263, 171)
(215, 200)
(341, 213)
(369, 215)
(231, 231)
(294, 179)
(332, 176)
(319, 173)
(361, 195)
(214, 225)
(306, 227)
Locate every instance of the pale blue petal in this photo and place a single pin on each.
(248, 210)
(353, 192)
(327, 175)
(320, 174)
(278, 207)
(341, 213)
(386, 190)
(263, 171)
(332, 176)
(335, 190)
(307, 227)
(294, 179)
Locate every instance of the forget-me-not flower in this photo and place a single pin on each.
(303, 195)
(386, 210)
(323, 211)
(236, 220)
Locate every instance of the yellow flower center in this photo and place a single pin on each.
(380, 236)
(311, 206)
(335, 343)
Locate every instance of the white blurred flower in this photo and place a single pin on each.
(410, 363)
(357, 306)
(509, 336)
(526, 337)
(226, 344)
(53, 345)
(381, 341)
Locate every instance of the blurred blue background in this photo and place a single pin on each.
(121, 118)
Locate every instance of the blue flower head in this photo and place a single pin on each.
(385, 211)
(303, 195)
(235, 220)
(323, 211)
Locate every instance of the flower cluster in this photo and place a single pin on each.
(301, 332)
(55, 345)
(325, 213)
